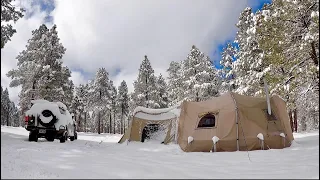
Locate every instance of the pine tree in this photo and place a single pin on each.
(290, 38)
(249, 69)
(200, 80)
(79, 106)
(8, 14)
(5, 110)
(161, 90)
(123, 104)
(144, 87)
(175, 89)
(40, 68)
(53, 74)
(100, 95)
(2, 108)
(68, 89)
(76, 109)
(227, 57)
(113, 106)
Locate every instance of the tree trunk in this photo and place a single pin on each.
(313, 54)
(75, 119)
(291, 121)
(295, 120)
(85, 121)
(121, 121)
(99, 122)
(79, 119)
(114, 123)
(110, 123)
(124, 126)
(102, 126)
(303, 126)
(7, 118)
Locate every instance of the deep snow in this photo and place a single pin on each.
(100, 156)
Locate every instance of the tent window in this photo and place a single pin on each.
(208, 120)
(271, 117)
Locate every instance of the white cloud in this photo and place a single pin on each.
(78, 78)
(117, 34)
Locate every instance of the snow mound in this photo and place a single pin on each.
(40, 106)
(64, 117)
(260, 136)
(215, 139)
(190, 139)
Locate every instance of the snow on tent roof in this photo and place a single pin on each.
(157, 114)
(162, 116)
(156, 111)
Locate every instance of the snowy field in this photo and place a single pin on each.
(100, 156)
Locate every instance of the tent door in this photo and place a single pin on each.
(148, 130)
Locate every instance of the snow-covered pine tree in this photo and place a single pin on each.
(16, 116)
(227, 57)
(175, 80)
(132, 105)
(83, 95)
(40, 68)
(200, 80)
(9, 13)
(123, 105)
(162, 92)
(53, 75)
(249, 68)
(76, 109)
(28, 71)
(68, 88)
(5, 108)
(307, 105)
(2, 108)
(144, 93)
(100, 95)
(113, 106)
(290, 38)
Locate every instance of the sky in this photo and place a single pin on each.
(117, 35)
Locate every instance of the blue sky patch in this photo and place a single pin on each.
(216, 55)
(45, 6)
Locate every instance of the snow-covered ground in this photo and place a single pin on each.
(100, 156)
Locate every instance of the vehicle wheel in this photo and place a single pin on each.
(36, 137)
(30, 136)
(71, 138)
(75, 135)
(66, 135)
(63, 138)
(33, 136)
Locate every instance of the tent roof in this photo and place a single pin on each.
(156, 117)
(157, 114)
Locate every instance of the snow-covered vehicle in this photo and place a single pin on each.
(50, 120)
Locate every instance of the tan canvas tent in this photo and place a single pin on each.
(237, 121)
(146, 122)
